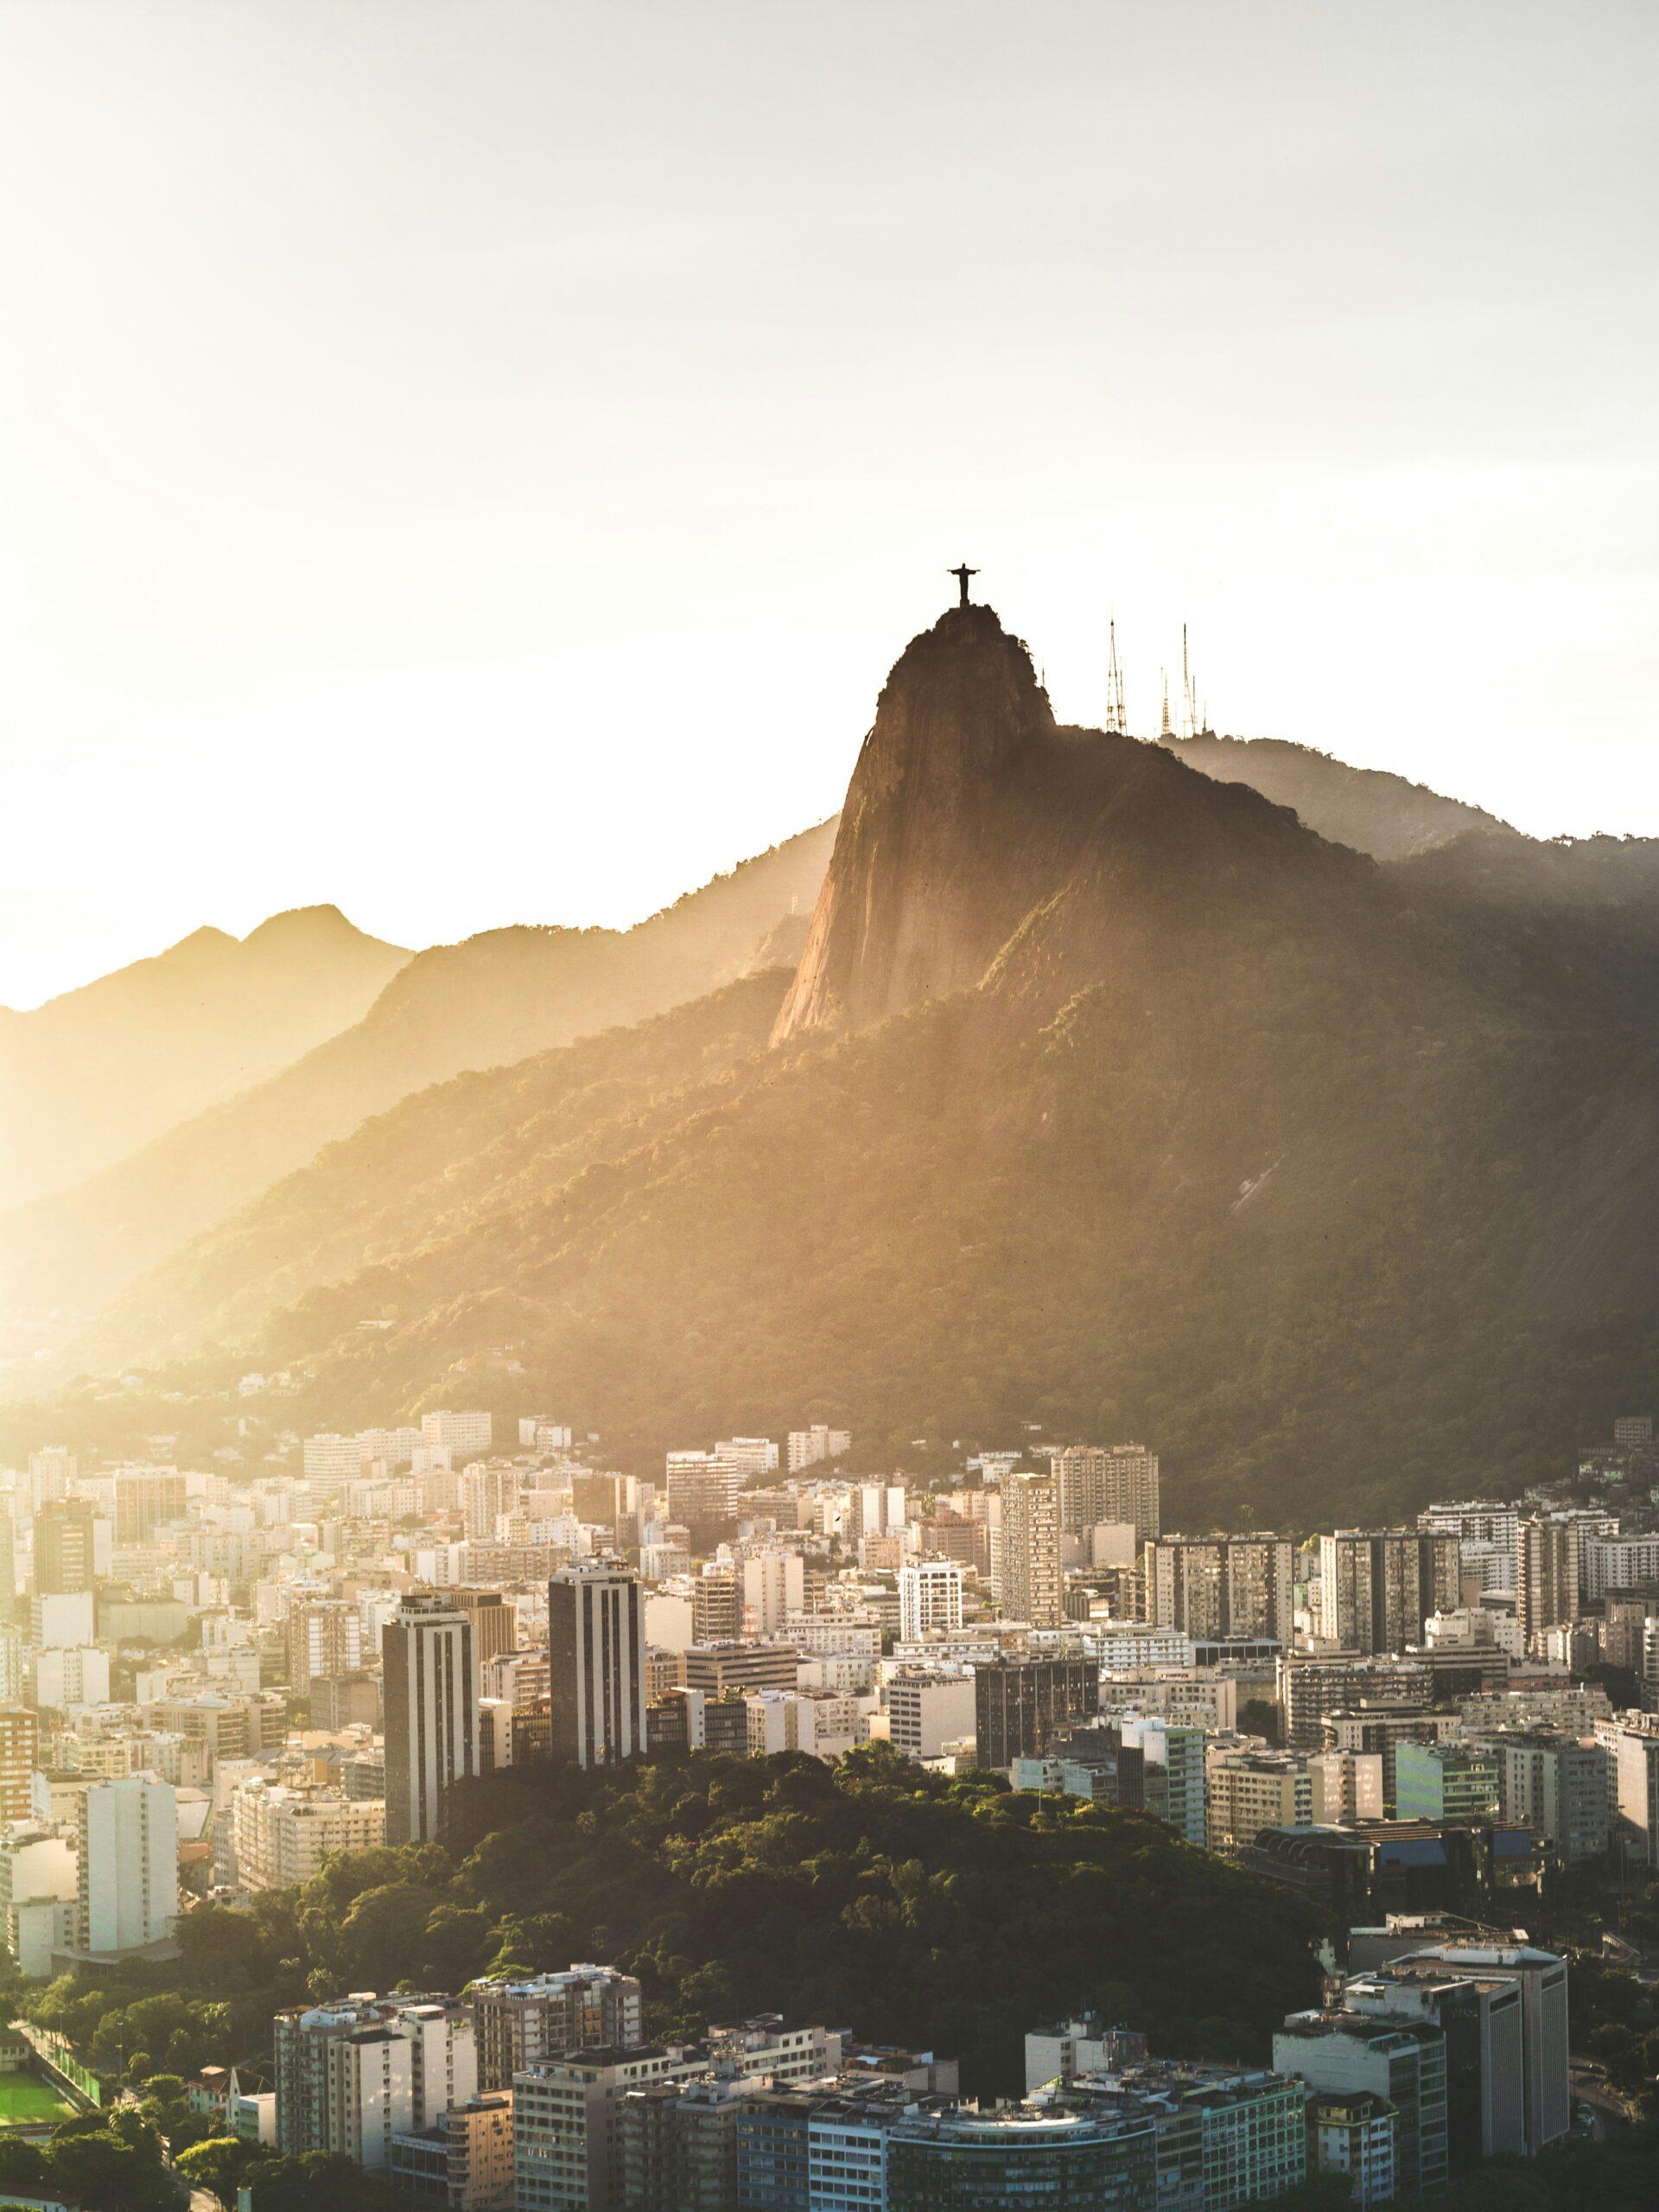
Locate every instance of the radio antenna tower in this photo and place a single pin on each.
(1117, 716)
(1165, 731)
(1189, 709)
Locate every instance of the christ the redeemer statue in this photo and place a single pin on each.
(961, 575)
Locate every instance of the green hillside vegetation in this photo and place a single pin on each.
(870, 1895)
(434, 1166)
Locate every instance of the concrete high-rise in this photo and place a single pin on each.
(63, 1549)
(1378, 1587)
(1222, 1585)
(128, 1863)
(1109, 1483)
(431, 1713)
(1547, 1573)
(929, 1599)
(519, 2023)
(1033, 1588)
(596, 1665)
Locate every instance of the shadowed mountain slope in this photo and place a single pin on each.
(1160, 1114)
(1368, 809)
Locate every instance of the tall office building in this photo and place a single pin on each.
(1021, 1704)
(63, 1549)
(1222, 1585)
(431, 1713)
(1034, 1589)
(128, 1865)
(1547, 1573)
(596, 1663)
(1109, 1483)
(929, 1599)
(1378, 1587)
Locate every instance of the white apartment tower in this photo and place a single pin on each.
(930, 1597)
(431, 1713)
(596, 1663)
(128, 1865)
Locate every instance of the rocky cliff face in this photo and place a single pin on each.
(982, 843)
(919, 893)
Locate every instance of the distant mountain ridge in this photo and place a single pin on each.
(1108, 1095)
(93, 1075)
(1370, 809)
(486, 1002)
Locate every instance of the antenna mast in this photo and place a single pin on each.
(1117, 718)
(1189, 710)
(1165, 731)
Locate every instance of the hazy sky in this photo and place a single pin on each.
(474, 460)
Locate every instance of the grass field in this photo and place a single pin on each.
(25, 2102)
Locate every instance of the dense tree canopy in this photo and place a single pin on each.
(951, 1914)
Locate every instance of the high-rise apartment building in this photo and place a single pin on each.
(463, 1435)
(146, 1499)
(703, 1488)
(596, 1665)
(1222, 1585)
(1033, 1588)
(1547, 1572)
(280, 1836)
(51, 1472)
(332, 1461)
(1117, 1482)
(1400, 2058)
(323, 1639)
(1631, 1740)
(811, 1447)
(64, 1563)
(929, 1599)
(489, 1488)
(1310, 1685)
(128, 1865)
(353, 2074)
(430, 1692)
(518, 2024)
(20, 1744)
(1560, 1786)
(774, 1587)
(716, 1606)
(1378, 1587)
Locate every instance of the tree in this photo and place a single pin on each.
(100, 2169)
(221, 2165)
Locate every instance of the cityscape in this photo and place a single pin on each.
(1436, 1746)
(828, 1106)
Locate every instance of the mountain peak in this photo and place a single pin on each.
(908, 909)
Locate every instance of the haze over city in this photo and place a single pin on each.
(422, 430)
